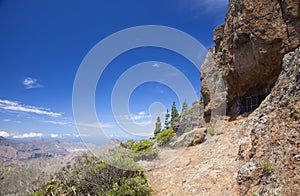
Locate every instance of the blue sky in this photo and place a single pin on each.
(42, 44)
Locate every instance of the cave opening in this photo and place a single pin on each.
(250, 103)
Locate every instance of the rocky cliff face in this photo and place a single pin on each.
(274, 138)
(249, 50)
(257, 58)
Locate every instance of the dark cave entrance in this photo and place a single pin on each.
(250, 103)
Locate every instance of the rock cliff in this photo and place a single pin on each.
(274, 138)
(249, 50)
(256, 60)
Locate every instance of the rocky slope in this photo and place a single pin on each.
(206, 169)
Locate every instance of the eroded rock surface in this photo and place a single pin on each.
(250, 47)
(274, 137)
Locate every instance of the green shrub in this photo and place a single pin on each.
(91, 176)
(127, 144)
(136, 186)
(141, 145)
(211, 131)
(266, 166)
(123, 159)
(165, 136)
(143, 150)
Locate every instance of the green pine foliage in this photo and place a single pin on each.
(167, 121)
(157, 129)
(184, 107)
(174, 112)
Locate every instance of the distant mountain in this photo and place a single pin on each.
(11, 149)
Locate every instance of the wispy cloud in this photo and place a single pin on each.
(9, 120)
(16, 106)
(30, 83)
(93, 124)
(28, 135)
(57, 122)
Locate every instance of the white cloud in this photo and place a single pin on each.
(4, 134)
(15, 106)
(54, 135)
(142, 113)
(30, 83)
(138, 117)
(6, 120)
(155, 65)
(28, 135)
(6, 102)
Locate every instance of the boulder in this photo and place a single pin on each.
(194, 137)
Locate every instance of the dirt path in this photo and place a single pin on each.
(207, 169)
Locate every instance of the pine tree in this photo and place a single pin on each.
(157, 129)
(174, 112)
(167, 122)
(184, 107)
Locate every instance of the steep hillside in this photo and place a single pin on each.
(235, 161)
